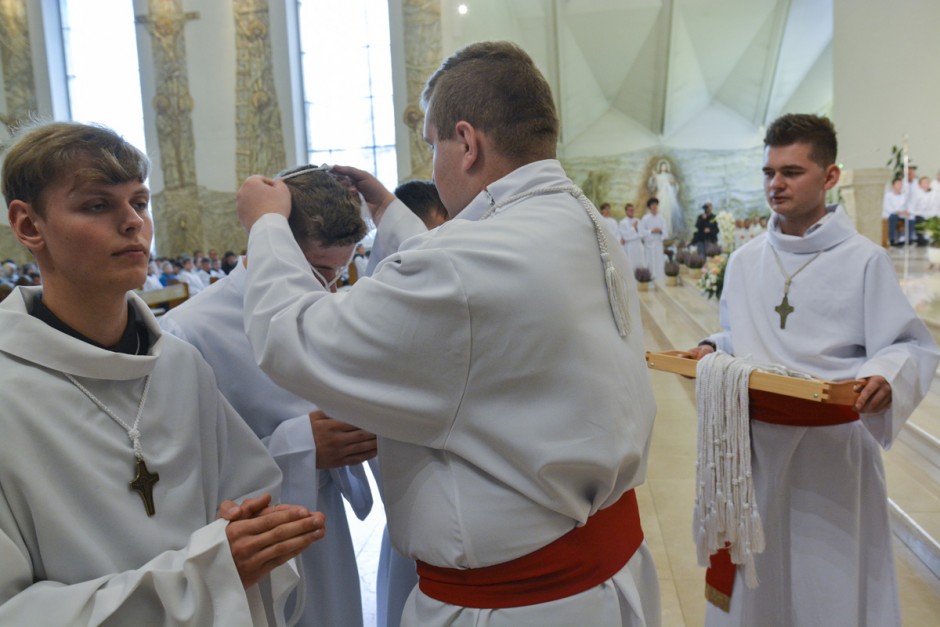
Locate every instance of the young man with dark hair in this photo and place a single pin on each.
(118, 450)
(508, 465)
(813, 295)
(321, 458)
(653, 230)
(422, 198)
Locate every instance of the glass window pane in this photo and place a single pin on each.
(348, 87)
(386, 168)
(100, 42)
(380, 65)
(383, 114)
(376, 14)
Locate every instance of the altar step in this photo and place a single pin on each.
(913, 463)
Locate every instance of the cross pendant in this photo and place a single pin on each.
(143, 484)
(784, 309)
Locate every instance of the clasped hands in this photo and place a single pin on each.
(262, 537)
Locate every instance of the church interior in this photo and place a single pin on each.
(644, 88)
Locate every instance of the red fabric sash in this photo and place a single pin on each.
(577, 561)
(775, 409)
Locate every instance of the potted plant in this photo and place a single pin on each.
(682, 257)
(643, 277)
(696, 262)
(930, 228)
(672, 273)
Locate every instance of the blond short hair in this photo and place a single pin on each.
(48, 154)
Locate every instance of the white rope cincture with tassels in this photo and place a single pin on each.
(616, 293)
(725, 508)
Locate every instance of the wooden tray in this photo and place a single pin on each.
(834, 393)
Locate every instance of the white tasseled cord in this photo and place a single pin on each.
(725, 509)
(616, 288)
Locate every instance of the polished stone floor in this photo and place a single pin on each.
(675, 317)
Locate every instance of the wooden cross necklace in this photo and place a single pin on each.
(144, 480)
(784, 309)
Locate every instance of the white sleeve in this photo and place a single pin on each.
(899, 348)
(396, 359)
(293, 448)
(397, 224)
(168, 584)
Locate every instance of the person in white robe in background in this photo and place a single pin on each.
(820, 490)
(653, 230)
(613, 228)
(473, 353)
(188, 276)
(89, 383)
(320, 458)
(629, 229)
(893, 209)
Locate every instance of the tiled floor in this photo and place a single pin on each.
(666, 498)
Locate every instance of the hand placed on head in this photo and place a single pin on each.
(258, 196)
(376, 195)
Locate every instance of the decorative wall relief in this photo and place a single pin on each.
(17, 62)
(423, 55)
(260, 136)
(729, 179)
(177, 218)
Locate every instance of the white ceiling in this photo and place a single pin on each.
(628, 74)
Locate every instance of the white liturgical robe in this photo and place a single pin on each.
(213, 322)
(632, 242)
(653, 244)
(821, 490)
(486, 357)
(76, 546)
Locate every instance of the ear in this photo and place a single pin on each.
(26, 225)
(832, 176)
(471, 142)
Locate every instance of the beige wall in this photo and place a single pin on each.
(885, 81)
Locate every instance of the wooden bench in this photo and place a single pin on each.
(165, 298)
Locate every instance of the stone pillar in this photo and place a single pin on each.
(423, 54)
(176, 208)
(862, 191)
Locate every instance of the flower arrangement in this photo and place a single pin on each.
(713, 276)
(671, 268)
(726, 236)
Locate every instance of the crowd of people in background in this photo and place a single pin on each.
(649, 242)
(910, 202)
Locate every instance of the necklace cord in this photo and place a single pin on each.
(133, 432)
